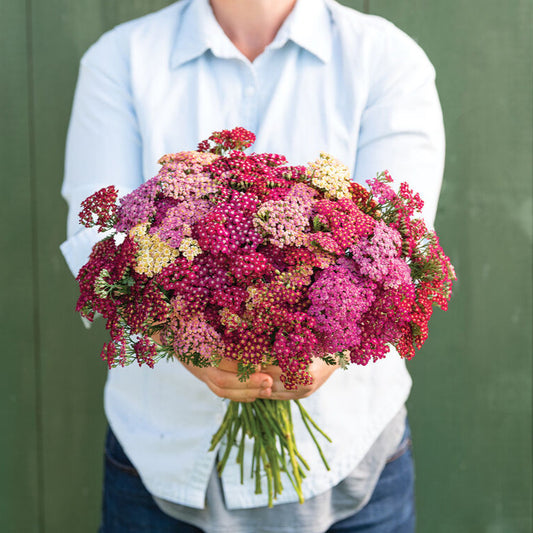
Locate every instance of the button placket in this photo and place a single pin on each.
(249, 92)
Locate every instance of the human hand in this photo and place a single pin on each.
(319, 370)
(265, 383)
(223, 381)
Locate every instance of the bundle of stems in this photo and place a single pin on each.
(269, 424)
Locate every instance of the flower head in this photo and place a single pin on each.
(330, 176)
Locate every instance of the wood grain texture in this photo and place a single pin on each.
(471, 405)
(71, 372)
(19, 439)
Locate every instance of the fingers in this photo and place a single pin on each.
(227, 385)
(290, 394)
(320, 373)
(224, 382)
(265, 383)
(279, 392)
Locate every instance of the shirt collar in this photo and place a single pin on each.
(308, 25)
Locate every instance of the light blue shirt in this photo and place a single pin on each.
(332, 80)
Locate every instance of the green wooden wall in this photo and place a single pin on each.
(472, 399)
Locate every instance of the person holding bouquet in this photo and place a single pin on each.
(305, 76)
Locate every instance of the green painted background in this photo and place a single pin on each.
(472, 399)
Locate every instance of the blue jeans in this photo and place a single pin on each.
(129, 508)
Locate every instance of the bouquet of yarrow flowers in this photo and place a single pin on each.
(225, 254)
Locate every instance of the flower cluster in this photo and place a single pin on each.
(229, 254)
(100, 209)
(283, 222)
(330, 176)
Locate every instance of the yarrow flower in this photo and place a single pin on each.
(189, 248)
(196, 337)
(137, 207)
(225, 140)
(153, 253)
(283, 222)
(229, 254)
(173, 224)
(184, 181)
(100, 209)
(330, 176)
(250, 237)
(378, 258)
(339, 298)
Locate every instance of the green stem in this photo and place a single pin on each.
(268, 472)
(257, 458)
(306, 415)
(224, 427)
(240, 454)
(289, 433)
(232, 435)
(269, 424)
(306, 418)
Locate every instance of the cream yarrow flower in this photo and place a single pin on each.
(153, 254)
(331, 176)
(190, 248)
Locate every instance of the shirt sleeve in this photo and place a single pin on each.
(402, 128)
(103, 142)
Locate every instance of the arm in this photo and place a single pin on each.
(401, 127)
(103, 141)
